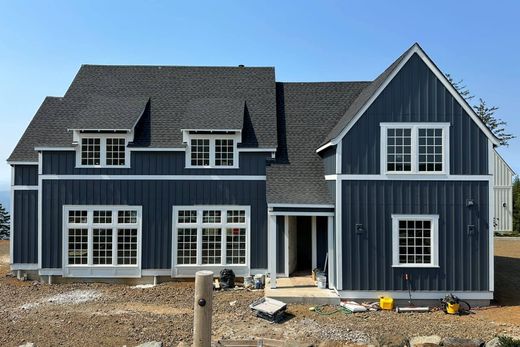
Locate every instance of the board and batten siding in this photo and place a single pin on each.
(367, 257)
(25, 224)
(415, 95)
(151, 163)
(157, 198)
(25, 175)
(503, 196)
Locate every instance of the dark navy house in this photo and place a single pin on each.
(144, 171)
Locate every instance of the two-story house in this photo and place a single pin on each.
(144, 171)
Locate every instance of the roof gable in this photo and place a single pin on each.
(370, 94)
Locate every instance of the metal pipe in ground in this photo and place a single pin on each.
(203, 309)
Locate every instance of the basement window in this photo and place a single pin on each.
(415, 240)
(415, 148)
(211, 236)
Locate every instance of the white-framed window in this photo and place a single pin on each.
(211, 235)
(415, 148)
(212, 151)
(103, 150)
(102, 236)
(415, 240)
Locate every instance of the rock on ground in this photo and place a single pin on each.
(425, 341)
(151, 344)
(458, 342)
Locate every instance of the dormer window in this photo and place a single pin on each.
(212, 150)
(102, 150)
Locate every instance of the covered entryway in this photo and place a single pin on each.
(300, 240)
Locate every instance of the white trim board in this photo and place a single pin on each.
(24, 266)
(25, 187)
(14, 162)
(421, 295)
(408, 177)
(157, 177)
(309, 214)
(442, 78)
(300, 205)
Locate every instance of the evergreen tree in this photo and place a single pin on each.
(487, 114)
(516, 204)
(4, 223)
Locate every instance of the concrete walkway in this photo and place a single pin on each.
(301, 290)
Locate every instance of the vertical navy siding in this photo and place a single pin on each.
(26, 175)
(321, 241)
(367, 258)
(329, 160)
(151, 163)
(25, 247)
(415, 95)
(157, 199)
(280, 244)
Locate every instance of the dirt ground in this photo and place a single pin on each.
(96, 314)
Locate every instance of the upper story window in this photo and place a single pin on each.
(212, 151)
(415, 148)
(102, 150)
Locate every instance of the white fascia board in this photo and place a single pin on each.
(439, 75)
(301, 205)
(408, 177)
(157, 149)
(262, 150)
(102, 130)
(325, 146)
(308, 214)
(39, 149)
(419, 295)
(157, 177)
(14, 162)
(25, 187)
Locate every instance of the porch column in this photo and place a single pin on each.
(271, 253)
(330, 247)
(314, 243)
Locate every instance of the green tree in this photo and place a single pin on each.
(516, 204)
(485, 112)
(4, 223)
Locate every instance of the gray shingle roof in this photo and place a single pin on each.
(110, 113)
(170, 90)
(214, 113)
(306, 113)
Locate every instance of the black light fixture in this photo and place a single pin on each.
(469, 202)
(359, 229)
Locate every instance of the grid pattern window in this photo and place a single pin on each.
(208, 236)
(235, 246)
(200, 152)
(127, 246)
(399, 150)
(91, 151)
(211, 216)
(102, 236)
(187, 216)
(116, 151)
(430, 150)
(224, 152)
(187, 246)
(78, 217)
(415, 241)
(78, 246)
(211, 246)
(102, 217)
(102, 246)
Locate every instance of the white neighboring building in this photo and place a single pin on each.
(503, 196)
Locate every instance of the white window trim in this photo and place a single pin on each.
(103, 149)
(434, 219)
(415, 147)
(199, 225)
(101, 270)
(212, 138)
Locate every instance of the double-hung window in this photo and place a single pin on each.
(211, 236)
(415, 240)
(102, 151)
(415, 148)
(102, 236)
(212, 151)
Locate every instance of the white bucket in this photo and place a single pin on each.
(322, 281)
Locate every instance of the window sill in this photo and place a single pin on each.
(418, 266)
(211, 167)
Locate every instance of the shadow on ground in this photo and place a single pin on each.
(507, 281)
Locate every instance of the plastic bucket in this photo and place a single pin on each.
(322, 281)
(248, 282)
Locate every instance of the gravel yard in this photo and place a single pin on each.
(95, 314)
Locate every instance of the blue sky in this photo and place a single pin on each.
(43, 44)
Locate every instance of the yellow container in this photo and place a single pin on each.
(386, 303)
(452, 308)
